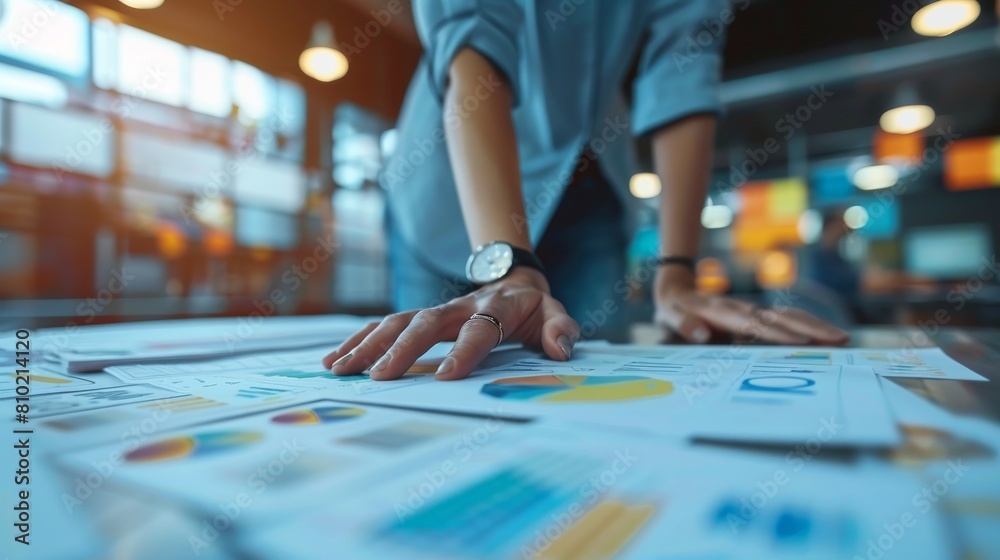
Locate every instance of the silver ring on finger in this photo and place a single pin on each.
(496, 323)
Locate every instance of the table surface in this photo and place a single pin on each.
(976, 349)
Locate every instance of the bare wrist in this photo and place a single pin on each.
(671, 279)
(527, 276)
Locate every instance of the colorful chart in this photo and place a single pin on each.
(499, 512)
(577, 388)
(318, 415)
(295, 374)
(258, 392)
(895, 358)
(325, 374)
(183, 446)
(800, 357)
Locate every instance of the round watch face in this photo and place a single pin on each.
(490, 263)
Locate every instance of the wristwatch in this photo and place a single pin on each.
(491, 262)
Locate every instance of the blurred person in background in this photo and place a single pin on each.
(514, 142)
(826, 265)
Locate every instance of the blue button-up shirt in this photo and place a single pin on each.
(565, 61)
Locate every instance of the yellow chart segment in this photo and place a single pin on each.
(601, 533)
(182, 404)
(612, 392)
(44, 379)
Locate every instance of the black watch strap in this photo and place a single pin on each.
(523, 257)
(686, 262)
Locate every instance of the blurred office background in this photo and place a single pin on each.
(187, 158)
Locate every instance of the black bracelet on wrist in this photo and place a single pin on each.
(683, 261)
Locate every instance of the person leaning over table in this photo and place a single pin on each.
(505, 109)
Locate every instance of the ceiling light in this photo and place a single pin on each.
(810, 226)
(945, 17)
(716, 216)
(875, 177)
(321, 59)
(907, 119)
(143, 4)
(856, 217)
(644, 185)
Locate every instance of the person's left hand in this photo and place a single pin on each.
(700, 318)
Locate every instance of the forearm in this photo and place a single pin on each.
(482, 146)
(682, 156)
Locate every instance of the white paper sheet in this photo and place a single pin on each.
(267, 465)
(561, 493)
(930, 363)
(780, 404)
(92, 348)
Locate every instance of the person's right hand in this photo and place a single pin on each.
(520, 301)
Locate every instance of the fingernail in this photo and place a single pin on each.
(380, 365)
(446, 366)
(564, 345)
(700, 334)
(343, 359)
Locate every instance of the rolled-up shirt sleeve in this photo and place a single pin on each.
(490, 27)
(681, 64)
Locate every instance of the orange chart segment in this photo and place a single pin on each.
(600, 534)
(577, 388)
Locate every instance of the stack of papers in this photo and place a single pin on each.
(91, 349)
(622, 452)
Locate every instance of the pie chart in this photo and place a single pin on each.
(184, 446)
(318, 415)
(577, 388)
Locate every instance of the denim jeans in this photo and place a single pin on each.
(583, 251)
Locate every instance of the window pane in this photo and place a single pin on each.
(269, 183)
(65, 141)
(48, 34)
(23, 85)
(291, 108)
(260, 227)
(254, 92)
(105, 40)
(151, 67)
(357, 151)
(210, 83)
